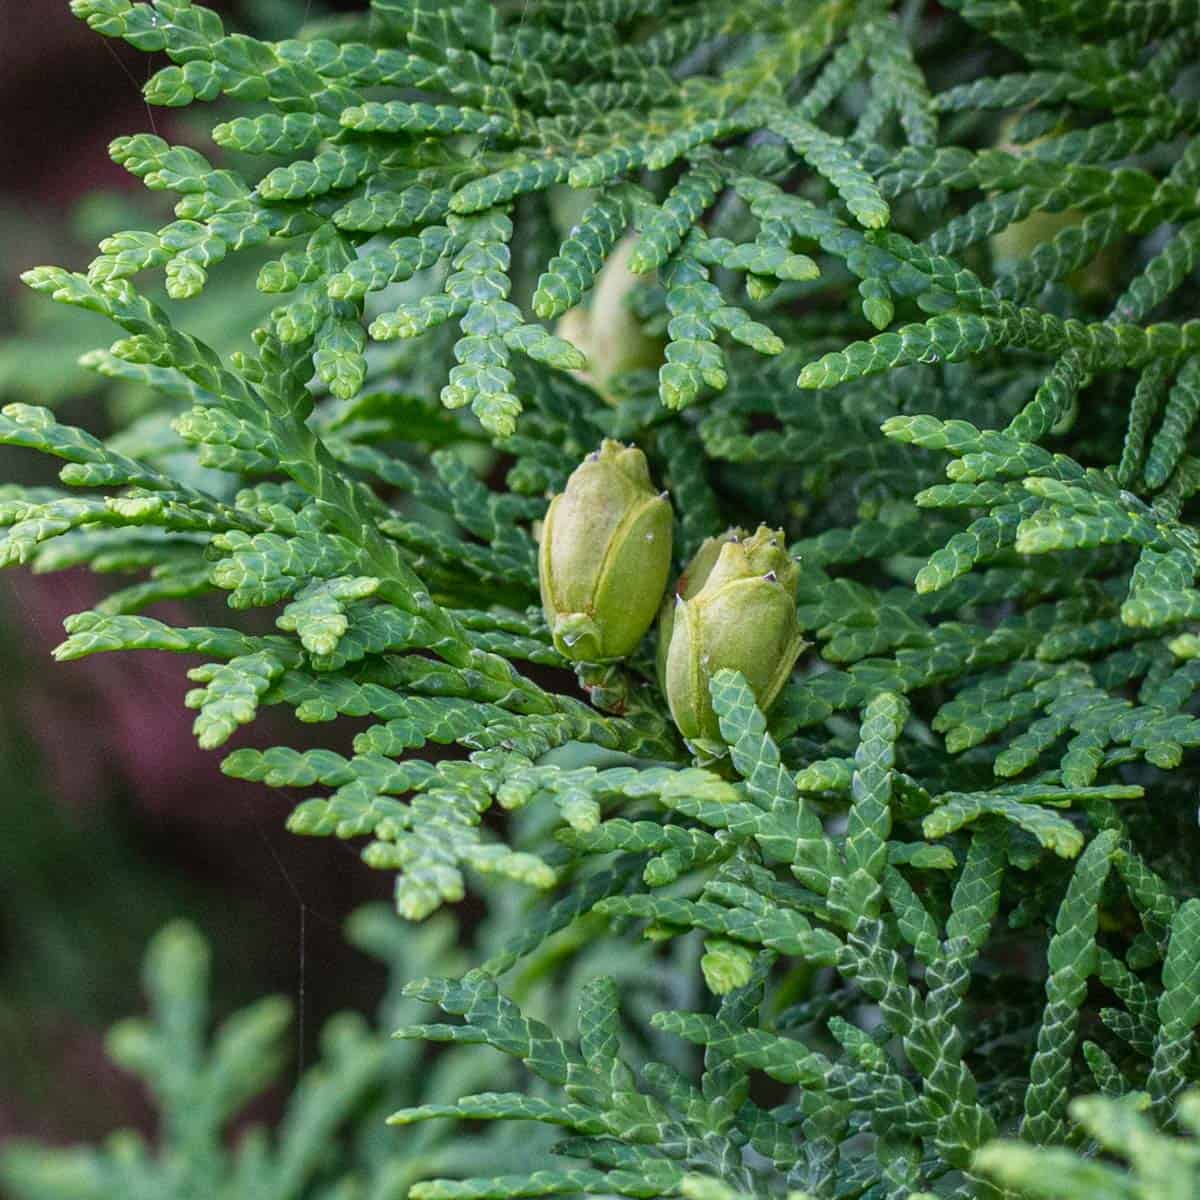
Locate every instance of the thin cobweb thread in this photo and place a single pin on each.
(508, 64)
(133, 79)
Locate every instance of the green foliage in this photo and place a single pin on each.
(332, 1140)
(1161, 1168)
(924, 283)
(200, 1083)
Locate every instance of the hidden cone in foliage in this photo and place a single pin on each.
(605, 555)
(734, 608)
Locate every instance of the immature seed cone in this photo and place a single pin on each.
(734, 608)
(605, 555)
(606, 330)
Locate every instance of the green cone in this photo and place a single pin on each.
(734, 608)
(605, 555)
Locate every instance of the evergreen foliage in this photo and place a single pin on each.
(924, 282)
(332, 1141)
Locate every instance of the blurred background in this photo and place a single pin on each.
(111, 820)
